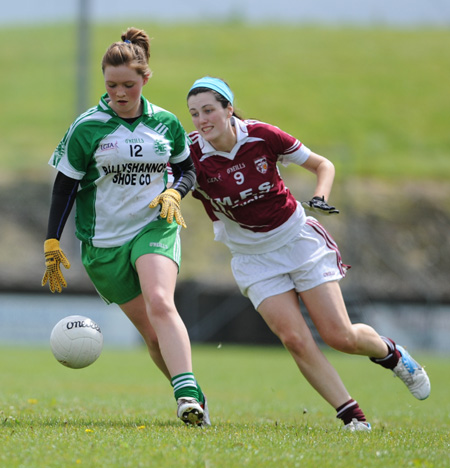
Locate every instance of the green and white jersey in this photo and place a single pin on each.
(121, 168)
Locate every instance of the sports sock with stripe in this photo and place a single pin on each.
(391, 360)
(185, 385)
(349, 411)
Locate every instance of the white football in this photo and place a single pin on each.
(76, 341)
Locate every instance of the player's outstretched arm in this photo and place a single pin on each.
(324, 171)
(63, 197)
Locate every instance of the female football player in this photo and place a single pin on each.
(113, 161)
(278, 253)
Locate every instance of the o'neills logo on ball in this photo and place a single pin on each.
(83, 324)
(261, 164)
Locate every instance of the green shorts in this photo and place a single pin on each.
(113, 270)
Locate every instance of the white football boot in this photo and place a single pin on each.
(413, 375)
(358, 426)
(190, 411)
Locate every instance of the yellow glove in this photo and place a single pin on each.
(53, 257)
(170, 206)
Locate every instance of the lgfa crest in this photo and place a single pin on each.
(261, 164)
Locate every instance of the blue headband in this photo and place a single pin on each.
(216, 85)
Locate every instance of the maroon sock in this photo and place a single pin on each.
(391, 360)
(349, 411)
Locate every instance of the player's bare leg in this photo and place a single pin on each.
(157, 275)
(135, 310)
(328, 312)
(282, 314)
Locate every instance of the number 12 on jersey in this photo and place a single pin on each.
(136, 151)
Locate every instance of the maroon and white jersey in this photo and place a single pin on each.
(242, 191)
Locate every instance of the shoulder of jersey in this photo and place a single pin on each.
(256, 124)
(91, 119)
(258, 129)
(160, 111)
(194, 136)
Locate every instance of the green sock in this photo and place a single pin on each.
(185, 385)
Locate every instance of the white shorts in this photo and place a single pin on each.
(311, 258)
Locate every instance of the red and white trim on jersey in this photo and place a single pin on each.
(330, 243)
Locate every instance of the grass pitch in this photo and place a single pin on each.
(120, 412)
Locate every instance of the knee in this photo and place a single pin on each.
(158, 305)
(342, 341)
(294, 343)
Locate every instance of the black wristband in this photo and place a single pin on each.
(184, 176)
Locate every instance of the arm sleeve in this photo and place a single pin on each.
(184, 176)
(63, 198)
(299, 156)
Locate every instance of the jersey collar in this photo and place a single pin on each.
(241, 136)
(104, 106)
